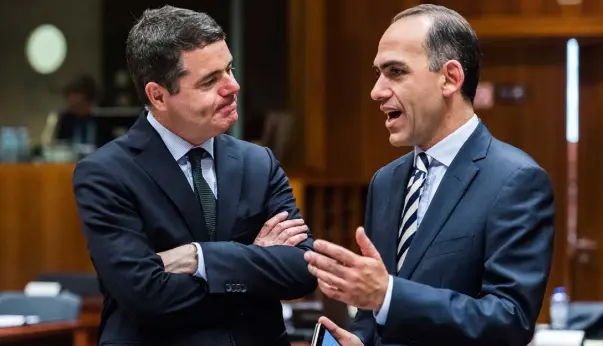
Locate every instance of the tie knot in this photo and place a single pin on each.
(423, 162)
(196, 154)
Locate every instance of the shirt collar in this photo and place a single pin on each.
(446, 150)
(176, 145)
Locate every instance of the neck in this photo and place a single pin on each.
(455, 117)
(180, 129)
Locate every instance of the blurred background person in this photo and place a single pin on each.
(76, 125)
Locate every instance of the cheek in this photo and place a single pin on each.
(196, 104)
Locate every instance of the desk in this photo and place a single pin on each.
(81, 333)
(44, 333)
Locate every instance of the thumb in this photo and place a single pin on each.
(339, 333)
(366, 246)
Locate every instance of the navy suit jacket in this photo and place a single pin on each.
(478, 266)
(134, 201)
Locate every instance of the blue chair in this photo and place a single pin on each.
(82, 284)
(63, 307)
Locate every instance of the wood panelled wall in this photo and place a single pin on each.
(39, 225)
(587, 259)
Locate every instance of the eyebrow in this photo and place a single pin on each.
(212, 74)
(389, 63)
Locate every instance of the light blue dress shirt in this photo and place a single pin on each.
(442, 155)
(179, 149)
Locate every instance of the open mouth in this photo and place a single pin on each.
(393, 115)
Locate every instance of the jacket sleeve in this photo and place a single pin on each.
(275, 272)
(364, 322)
(121, 253)
(518, 253)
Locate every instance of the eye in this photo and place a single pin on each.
(209, 83)
(377, 72)
(396, 72)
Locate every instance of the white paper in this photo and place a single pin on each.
(550, 337)
(47, 289)
(17, 320)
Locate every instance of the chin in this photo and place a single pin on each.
(398, 140)
(230, 122)
(226, 122)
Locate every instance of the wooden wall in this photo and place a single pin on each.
(39, 225)
(587, 257)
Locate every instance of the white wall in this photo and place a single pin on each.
(27, 97)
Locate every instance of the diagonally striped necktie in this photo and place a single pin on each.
(411, 205)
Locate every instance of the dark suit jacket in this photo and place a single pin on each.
(477, 269)
(134, 201)
(71, 125)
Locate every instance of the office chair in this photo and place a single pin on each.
(82, 284)
(64, 307)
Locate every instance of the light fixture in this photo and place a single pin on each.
(46, 49)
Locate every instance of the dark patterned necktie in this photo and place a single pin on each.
(203, 192)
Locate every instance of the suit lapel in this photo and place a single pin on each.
(393, 210)
(229, 173)
(157, 161)
(453, 186)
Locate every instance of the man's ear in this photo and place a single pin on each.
(454, 76)
(156, 95)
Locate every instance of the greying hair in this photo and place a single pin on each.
(450, 37)
(156, 41)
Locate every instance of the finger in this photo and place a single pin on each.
(293, 241)
(366, 246)
(336, 252)
(332, 280)
(333, 328)
(269, 225)
(290, 232)
(325, 263)
(330, 291)
(292, 223)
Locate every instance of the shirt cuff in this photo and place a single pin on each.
(381, 315)
(200, 263)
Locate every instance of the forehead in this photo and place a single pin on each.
(403, 40)
(206, 59)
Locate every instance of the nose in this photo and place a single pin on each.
(381, 91)
(230, 87)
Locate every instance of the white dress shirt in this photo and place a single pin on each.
(442, 154)
(179, 149)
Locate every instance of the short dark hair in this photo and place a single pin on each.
(82, 84)
(450, 37)
(156, 41)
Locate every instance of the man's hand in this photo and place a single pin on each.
(280, 231)
(342, 336)
(359, 281)
(180, 260)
